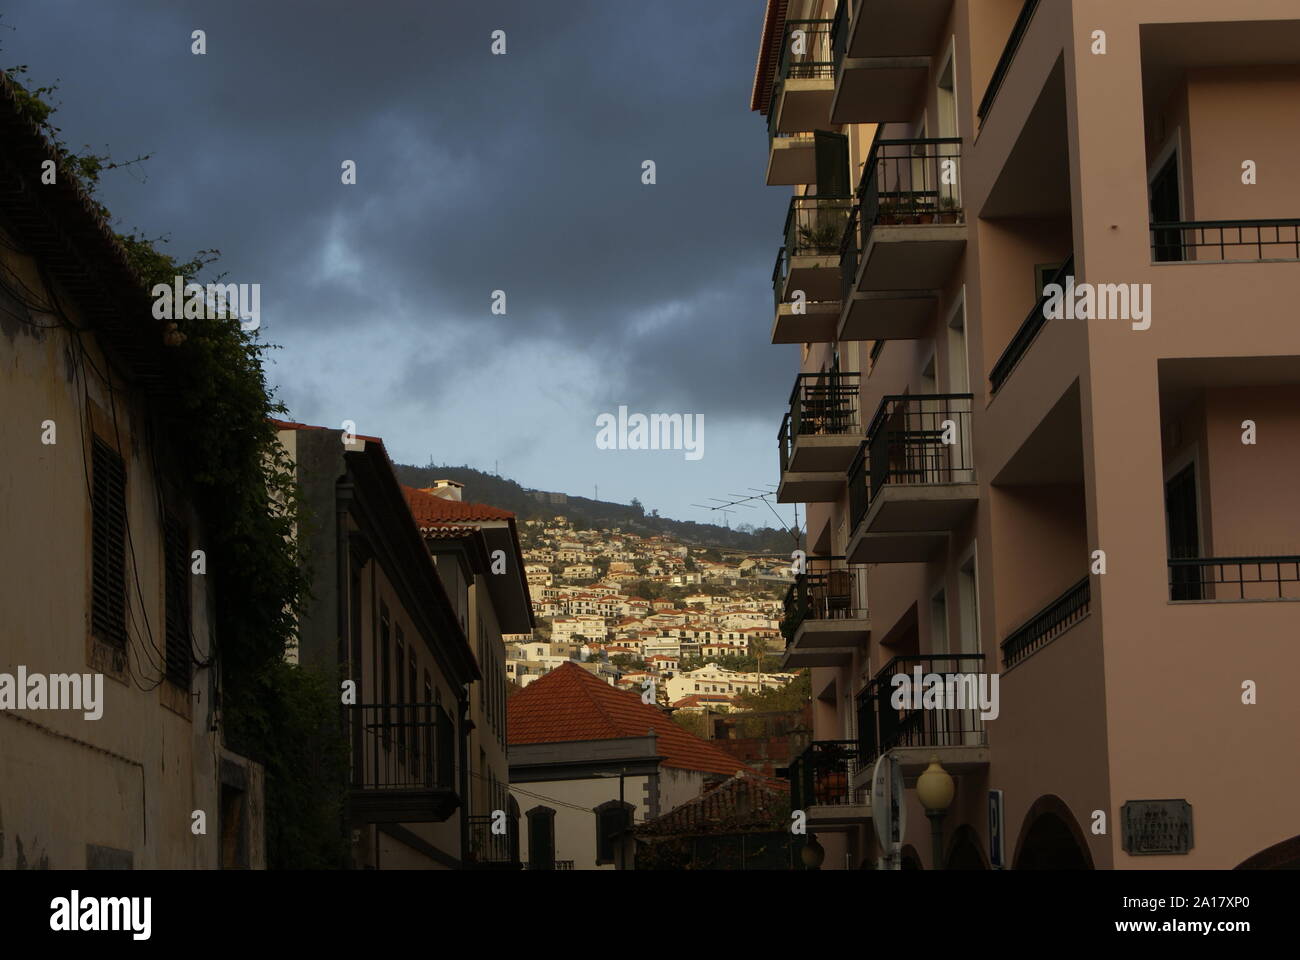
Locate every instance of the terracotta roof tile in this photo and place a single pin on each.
(571, 704)
(430, 509)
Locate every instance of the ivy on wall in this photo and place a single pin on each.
(242, 481)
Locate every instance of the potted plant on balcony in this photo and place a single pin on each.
(949, 211)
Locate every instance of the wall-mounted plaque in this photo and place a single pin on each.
(1156, 827)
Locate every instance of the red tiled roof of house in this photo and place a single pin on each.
(430, 509)
(571, 704)
(292, 425)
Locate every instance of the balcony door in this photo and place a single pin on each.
(1183, 517)
(1167, 207)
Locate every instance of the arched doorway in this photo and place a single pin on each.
(1280, 856)
(1050, 839)
(964, 851)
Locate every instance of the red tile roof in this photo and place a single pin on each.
(571, 704)
(430, 509)
(291, 425)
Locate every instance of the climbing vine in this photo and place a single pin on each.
(243, 485)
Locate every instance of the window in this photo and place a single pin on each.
(613, 820)
(108, 545)
(176, 591)
(541, 838)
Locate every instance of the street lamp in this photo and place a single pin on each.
(813, 853)
(934, 788)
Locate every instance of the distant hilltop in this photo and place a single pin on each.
(527, 504)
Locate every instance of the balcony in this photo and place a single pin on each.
(403, 763)
(1048, 624)
(493, 851)
(825, 783)
(809, 267)
(1234, 579)
(904, 238)
(954, 731)
(819, 437)
(805, 322)
(1028, 331)
(1225, 241)
(882, 58)
(805, 80)
(1018, 31)
(913, 481)
(824, 616)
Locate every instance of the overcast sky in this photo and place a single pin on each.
(475, 173)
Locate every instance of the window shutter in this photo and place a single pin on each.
(108, 545)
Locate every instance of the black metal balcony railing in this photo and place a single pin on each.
(823, 775)
(883, 726)
(1008, 57)
(821, 404)
(858, 480)
(917, 439)
(488, 849)
(903, 182)
(403, 746)
(840, 34)
(825, 403)
(1225, 241)
(1235, 578)
(806, 51)
(778, 277)
(1049, 623)
(814, 226)
(827, 590)
(1028, 331)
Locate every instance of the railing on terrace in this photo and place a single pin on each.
(493, 849)
(778, 277)
(1008, 57)
(1225, 241)
(1235, 578)
(1028, 331)
(822, 776)
(806, 51)
(553, 865)
(920, 439)
(911, 181)
(840, 34)
(814, 226)
(825, 403)
(402, 746)
(821, 404)
(859, 477)
(827, 590)
(882, 726)
(1049, 623)
(903, 182)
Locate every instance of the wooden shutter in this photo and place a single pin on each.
(108, 545)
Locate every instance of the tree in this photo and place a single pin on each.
(786, 698)
(692, 722)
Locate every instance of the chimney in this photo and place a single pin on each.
(447, 489)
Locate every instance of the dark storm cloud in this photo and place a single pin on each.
(475, 173)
